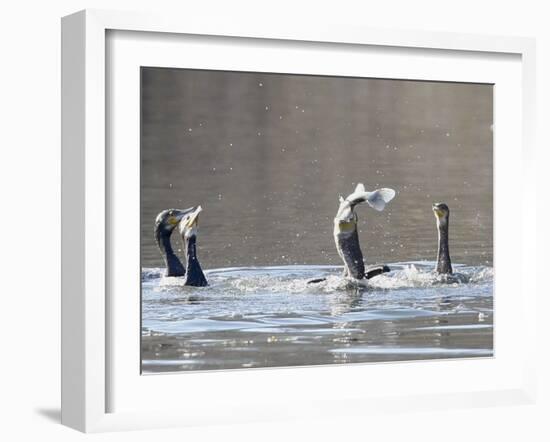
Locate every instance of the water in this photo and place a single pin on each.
(270, 199)
(271, 316)
(266, 155)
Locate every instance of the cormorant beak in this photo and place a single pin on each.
(191, 220)
(194, 218)
(345, 212)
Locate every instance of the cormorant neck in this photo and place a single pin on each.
(174, 267)
(443, 256)
(349, 249)
(195, 275)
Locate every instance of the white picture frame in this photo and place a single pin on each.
(86, 210)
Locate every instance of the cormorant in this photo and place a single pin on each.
(188, 227)
(441, 212)
(346, 236)
(345, 230)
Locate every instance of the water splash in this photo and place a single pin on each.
(408, 275)
(294, 279)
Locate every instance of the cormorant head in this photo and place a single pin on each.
(189, 224)
(441, 212)
(168, 219)
(346, 219)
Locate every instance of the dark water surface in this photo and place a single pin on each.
(267, 156)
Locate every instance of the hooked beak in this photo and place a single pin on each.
(194, 218)
(345, 212)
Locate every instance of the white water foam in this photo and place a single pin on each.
(294, 279)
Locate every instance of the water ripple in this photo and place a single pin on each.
(261, 316)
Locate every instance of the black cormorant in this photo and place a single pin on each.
(346, 236)
(345, 231)
(441, 211)
(188, 227)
